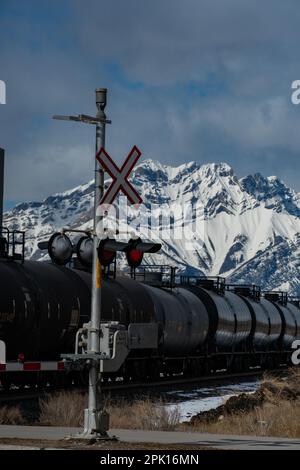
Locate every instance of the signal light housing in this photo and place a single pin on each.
(60, 248)
(134, 257)
(107, 250)
(136, 250)
(84, 250)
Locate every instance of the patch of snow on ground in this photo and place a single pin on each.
(192, 402)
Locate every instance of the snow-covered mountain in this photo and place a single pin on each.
(251, 226)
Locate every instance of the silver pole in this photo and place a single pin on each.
(95, 422)
(1, 187)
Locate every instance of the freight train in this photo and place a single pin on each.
(203, 324)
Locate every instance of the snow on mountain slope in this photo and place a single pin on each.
(251, 225)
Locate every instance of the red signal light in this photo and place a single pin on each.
(106, 257)
(107, 250)
(134, 257)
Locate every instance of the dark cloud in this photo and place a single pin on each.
(194, 80)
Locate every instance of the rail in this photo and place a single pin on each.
(219, 376)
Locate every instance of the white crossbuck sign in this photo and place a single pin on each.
(119, 176)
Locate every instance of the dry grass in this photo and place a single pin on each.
(282, 420)
(63, 409)
(278, 388)
(144, 414)
(278, 415)
(11, 415)
(66, 409)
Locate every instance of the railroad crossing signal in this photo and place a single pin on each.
(119, 176)
(61, 249)
(134, 249)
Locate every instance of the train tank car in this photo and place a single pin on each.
(230, 321)
(267, 326)
(41, 307)
(290, 315)
(182, 318)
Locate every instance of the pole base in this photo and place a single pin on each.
(91, 438)
(96, 425)
(95, 421)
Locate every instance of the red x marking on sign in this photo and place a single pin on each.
(119, 176)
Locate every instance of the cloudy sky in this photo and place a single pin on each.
(204, 80)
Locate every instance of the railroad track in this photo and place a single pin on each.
(30, 394)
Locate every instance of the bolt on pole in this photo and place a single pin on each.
(95, 419)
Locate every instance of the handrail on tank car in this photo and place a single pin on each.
(13, 238)
(166, 274)
(247, 290)
(215, 283)
(276, 296)
(294, 300)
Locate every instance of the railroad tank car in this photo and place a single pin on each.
(230, 321)
(178, 313)
(291, 321)
(42, 305)
(182, 317)
(267, 323)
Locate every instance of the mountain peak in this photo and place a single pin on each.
(273, 192)
(217, 169)
(149, 166)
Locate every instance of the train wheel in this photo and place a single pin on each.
(197, 368)
(6, 383)
(42, 382)
(153, 371)
(245, 363)
(137, 370)
(207, 367)
(140, 369)
(104, 379)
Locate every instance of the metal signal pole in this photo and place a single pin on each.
(95, 418)
(1, 187)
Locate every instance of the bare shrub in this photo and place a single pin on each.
(144, 414)
(62, 409)
(66, 409)
(11, 415)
